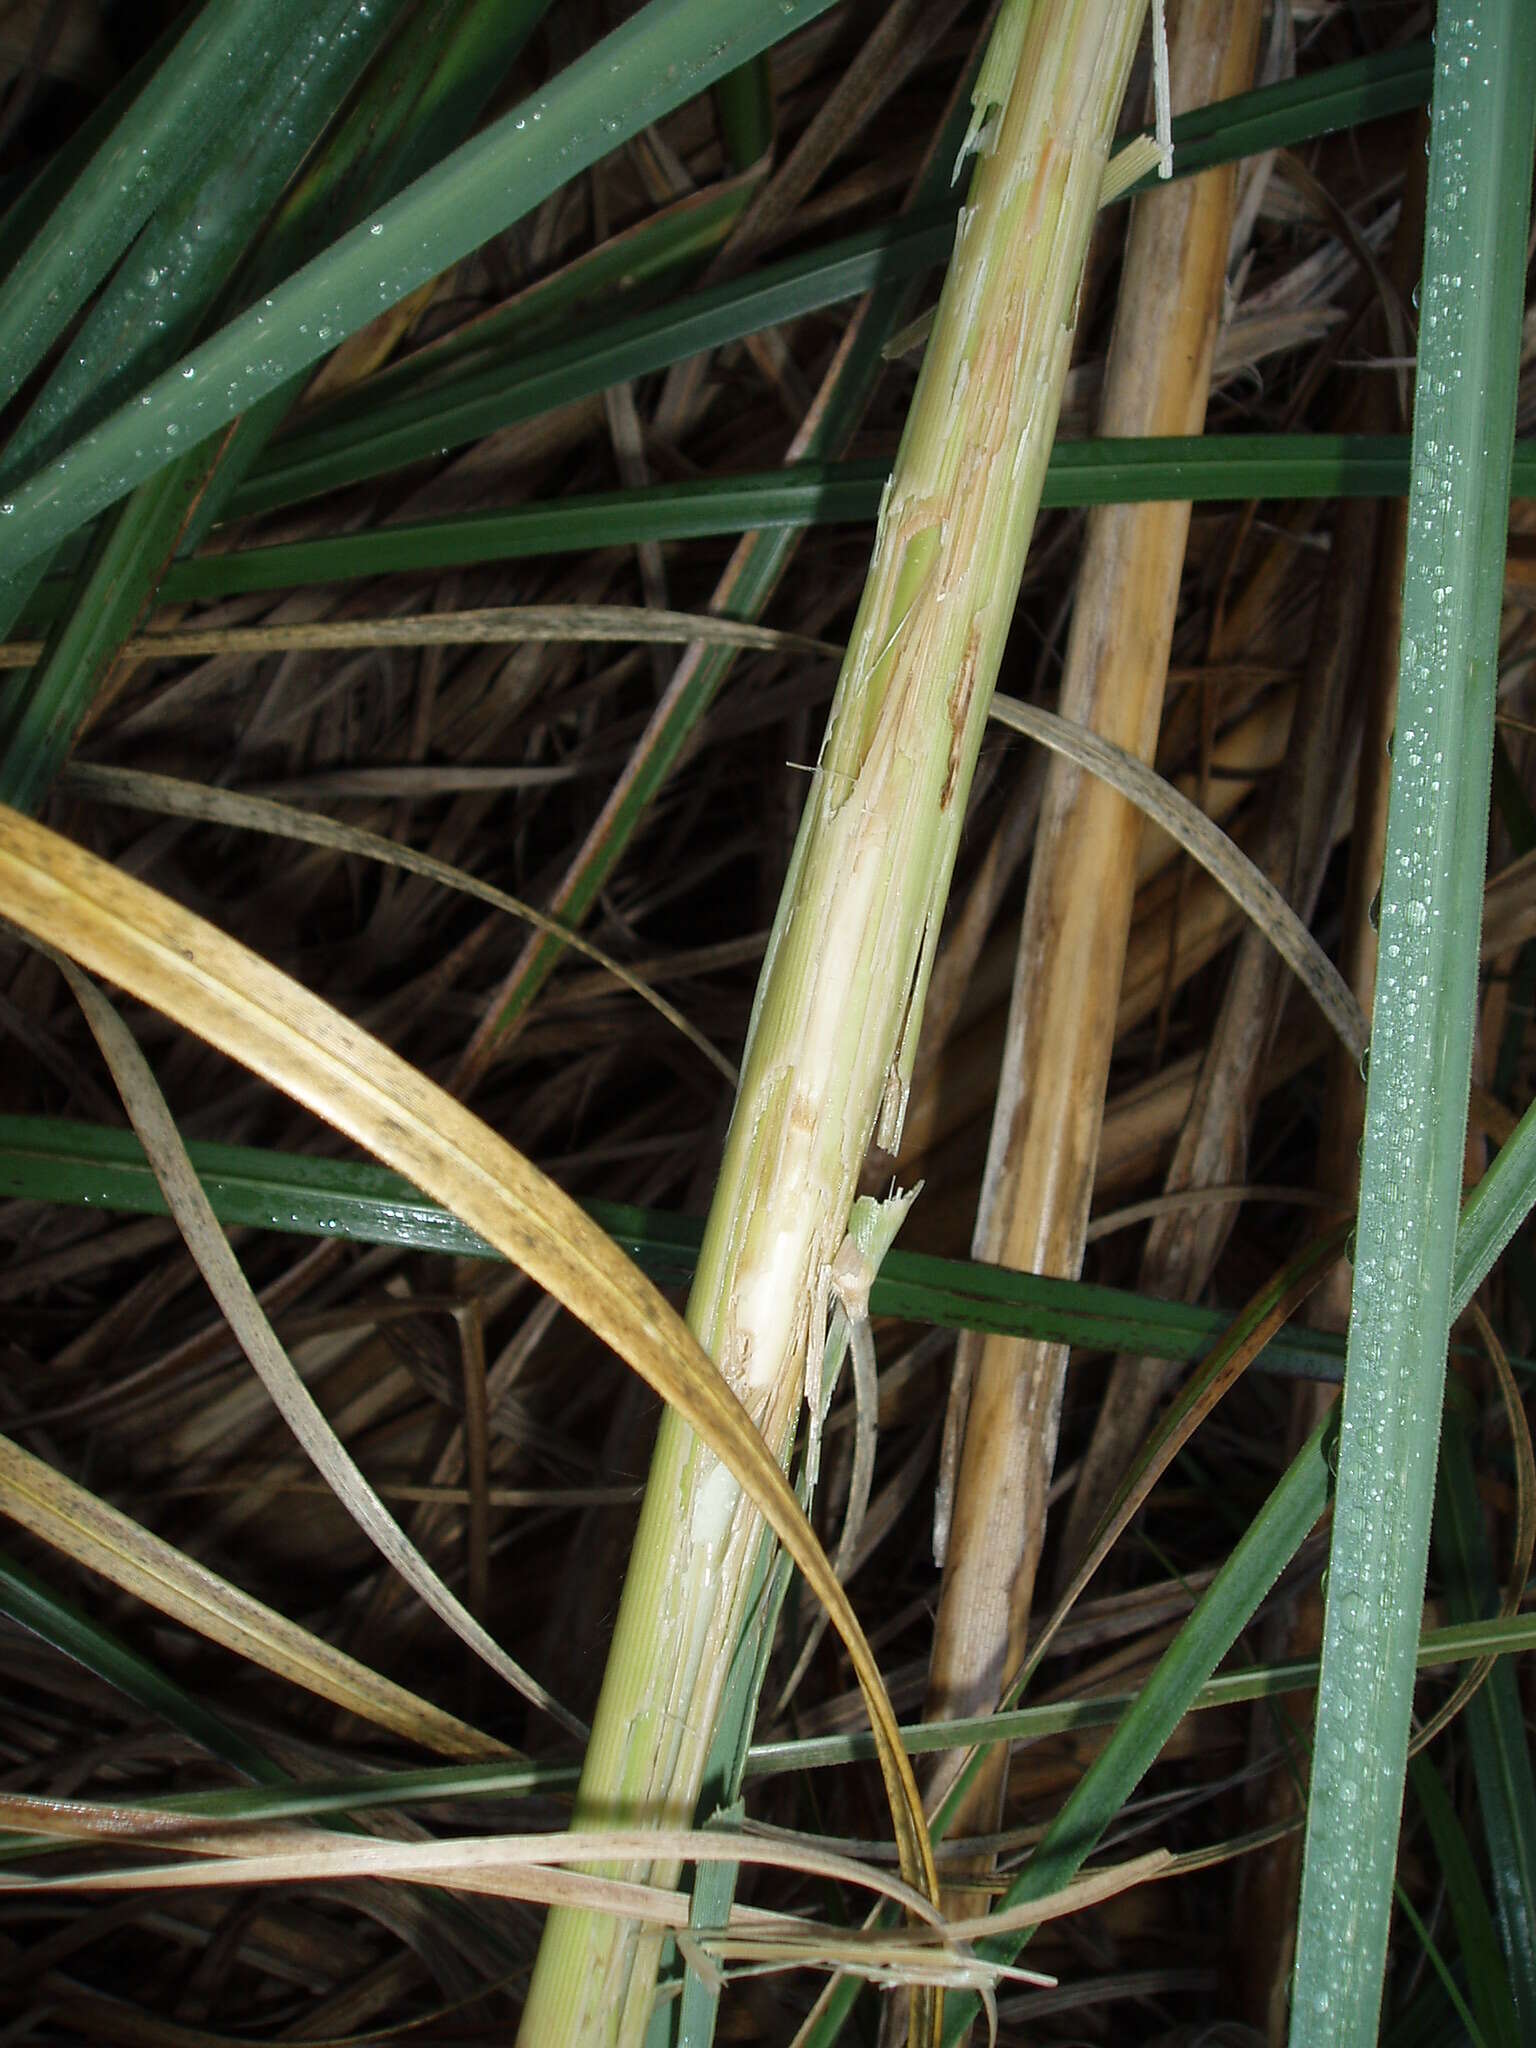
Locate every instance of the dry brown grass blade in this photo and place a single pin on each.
(1248, 886)
(96, 1535)
(240, 1003)
(507, 1865)
(1039, 1179)
(501, 625)
(215, 1259)
(531, 1867)
(172, 798)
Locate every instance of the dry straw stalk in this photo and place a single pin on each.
(1069, 977)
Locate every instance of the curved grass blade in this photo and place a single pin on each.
(491, 626)
(166, 795)
(663, 55)
(1184, 821)
(216, 1261)
(128, 933)
(1495, 1210)
(99, 1537)
(1482, 134)
(485, 1863)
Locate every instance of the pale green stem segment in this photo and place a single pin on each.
(829, 1053)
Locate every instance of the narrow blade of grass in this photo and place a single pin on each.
(28, 1600)
(1472, 292)
(89, 1530)
(744, 107)
(58, 1160)
(1486, 1976)
(1495, 1727)
(1212, 469)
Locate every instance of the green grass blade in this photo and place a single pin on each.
(1494, 1722)
(55, 1160)
(1495, 1210)
(50, 1159)
(43, 194)
(191, 245)
(1487, 1980)
(1204, 468)
(1213, 469)
(744, 108)
(1258, 1558)
(1300, 109)
(1271, 117)
(1468, 2030)
(28, 1600)
(434, 79)
(669, 51)
(323, 456)
(154, 305)
(41, 709)
(1473, 291)
(478, 404)
(280, 1800)
(636, 269)
(219, 69)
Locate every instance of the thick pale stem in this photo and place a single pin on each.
(829, 1051)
